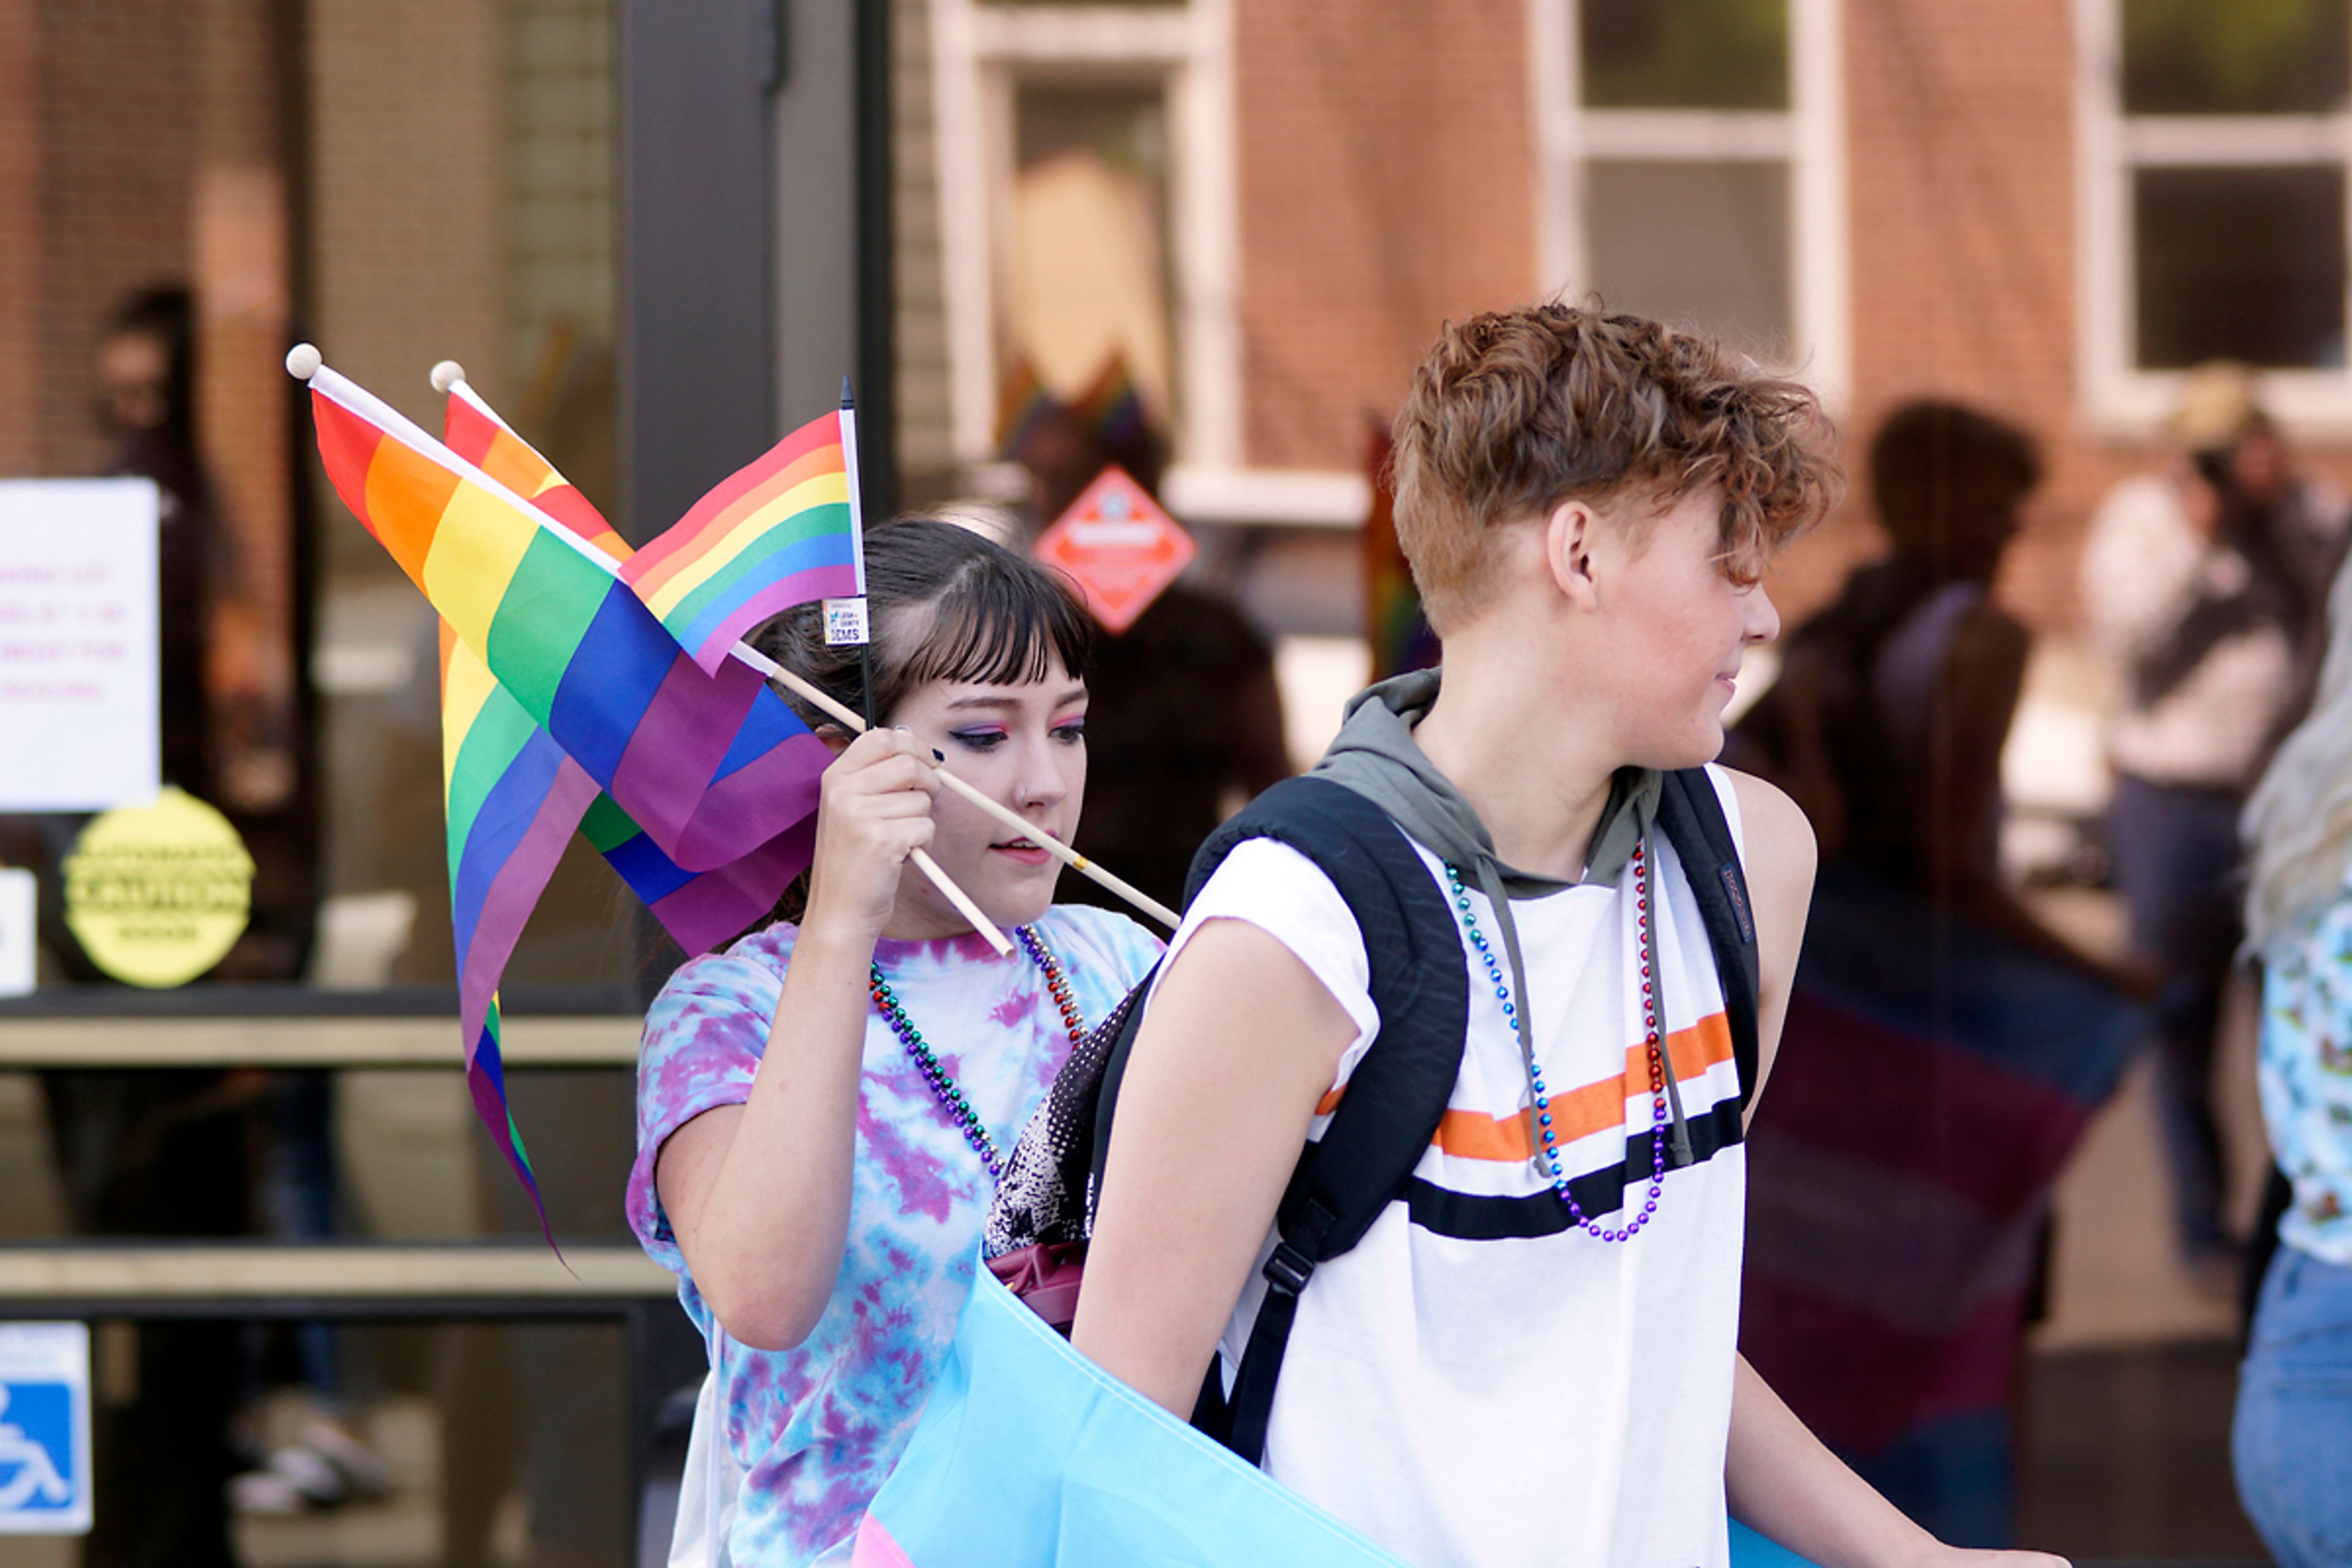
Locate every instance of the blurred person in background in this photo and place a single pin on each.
(2293, 1439)
(2202, 587)
(1944, 1047)
(1893, 704)
(1187, 723)
(146, 373)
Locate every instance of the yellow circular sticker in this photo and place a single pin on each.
(158, 894)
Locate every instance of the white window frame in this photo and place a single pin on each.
(979, 51)
(1808, 136)
(2119, 399)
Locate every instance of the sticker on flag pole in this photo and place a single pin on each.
(844, 622)
(43, 1428)
(1118, 546)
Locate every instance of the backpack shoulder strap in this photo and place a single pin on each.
(1691, 815)
(1398, 1090)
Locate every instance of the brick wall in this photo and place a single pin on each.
(113, 146)
(20, 263)
(1387, 179)
(1960, 131)
(407, 182)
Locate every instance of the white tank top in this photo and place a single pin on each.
(1478, 1380)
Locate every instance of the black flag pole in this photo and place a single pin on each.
(858, 537)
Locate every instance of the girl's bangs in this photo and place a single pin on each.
(1001, 629)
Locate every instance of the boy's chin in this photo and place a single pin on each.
(1700, 744)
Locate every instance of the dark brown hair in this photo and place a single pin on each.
(1514, 412)
(946, 604)
(1940, 469)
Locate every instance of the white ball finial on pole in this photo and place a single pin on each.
(302, 362)
(446, 374)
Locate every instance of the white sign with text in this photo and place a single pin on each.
(78, 644)
(19, 909)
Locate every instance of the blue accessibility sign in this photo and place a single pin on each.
(43, 1428)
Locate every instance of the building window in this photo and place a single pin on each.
(1086, 209)
(1692, 168)
(2215, 141)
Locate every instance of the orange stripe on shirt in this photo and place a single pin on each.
(1579, 1112)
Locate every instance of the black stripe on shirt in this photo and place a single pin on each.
(1469, 1218)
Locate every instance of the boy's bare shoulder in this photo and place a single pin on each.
(1781, 854)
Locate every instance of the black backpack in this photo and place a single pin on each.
(1043, 1211)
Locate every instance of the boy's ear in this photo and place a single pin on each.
(836, 737)
(1569, 534)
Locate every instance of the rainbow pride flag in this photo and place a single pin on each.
(778, 533)
(698, 909)
(710, 765)
(512, 800)
(474, 431)
(1110, 407)
(562, 694)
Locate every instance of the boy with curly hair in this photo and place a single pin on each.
(1530, 1356)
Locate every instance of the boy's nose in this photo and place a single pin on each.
(1763, 619)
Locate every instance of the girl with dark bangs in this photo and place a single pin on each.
(823, 1107)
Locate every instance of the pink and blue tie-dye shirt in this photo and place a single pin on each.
(815, 1431)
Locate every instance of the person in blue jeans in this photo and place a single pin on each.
(2293, 1440)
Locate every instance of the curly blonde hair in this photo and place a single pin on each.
(1514, 412)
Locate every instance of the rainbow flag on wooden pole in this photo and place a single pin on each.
(561, 687)
(698, 909)
(780, 532)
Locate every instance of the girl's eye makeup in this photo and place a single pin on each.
(979, 738)
(1070, 732)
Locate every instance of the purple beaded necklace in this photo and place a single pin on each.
(1548, 1157)
(951, 1096)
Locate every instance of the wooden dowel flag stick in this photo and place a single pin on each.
(844, 716)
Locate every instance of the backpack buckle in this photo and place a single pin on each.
(1288, 1270)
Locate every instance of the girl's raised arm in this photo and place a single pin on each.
(758, 1193)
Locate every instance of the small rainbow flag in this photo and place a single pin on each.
(778, 533)
(1023, 406)
(1110, 408)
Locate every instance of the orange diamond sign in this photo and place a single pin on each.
(1121, 549)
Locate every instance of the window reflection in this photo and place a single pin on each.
(1685, 54)
(1696, 242)
(2245, 264)
(2193, 56)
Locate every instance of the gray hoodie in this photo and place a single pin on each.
(1376, 756)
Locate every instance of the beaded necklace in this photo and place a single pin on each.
(951, 1096)
(1541, 1098)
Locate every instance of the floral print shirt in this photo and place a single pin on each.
(813, 1431)
(2307, 1079)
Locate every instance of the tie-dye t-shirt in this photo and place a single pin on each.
(815, 1431)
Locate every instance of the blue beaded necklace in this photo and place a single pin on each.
(1548, 1157)
(944, 1087)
